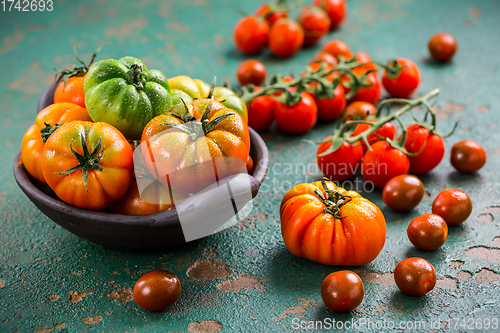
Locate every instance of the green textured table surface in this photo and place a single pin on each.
(244, 279)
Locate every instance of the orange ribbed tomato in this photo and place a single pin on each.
(334, 227)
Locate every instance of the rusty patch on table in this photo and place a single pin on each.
(483, 108)
(52, 298)
(487, 275)
(456, 263)
(306, 304)
(206, 326)
(60, 326)
(464, 275)
(485, 218)
(242, 281)
(123, 294)
(208, 270)
(43, 329)
(91, 320)
(447, 282)
(385, 279)
(483, 252)
(76, 296)
(494, 210)
(496, 241)
(1, 283)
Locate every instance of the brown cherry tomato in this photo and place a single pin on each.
(467, 156)
(251, 71)
(442, 46)
(286, 38)
(157, 290)
(251, 34)
(337, 48)
(453, 205)
(342, 291)
(427, 232)
(359, 110)
(325, 57)
(403, 193)
(415, 276)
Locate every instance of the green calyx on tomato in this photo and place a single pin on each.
(125, 94)
(48, 130)
(86, 161)
(333, 200)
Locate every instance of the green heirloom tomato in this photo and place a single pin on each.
(229, 98)
(125, 94)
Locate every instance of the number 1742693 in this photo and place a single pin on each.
(27, 5)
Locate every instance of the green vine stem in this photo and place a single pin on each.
(76, 70)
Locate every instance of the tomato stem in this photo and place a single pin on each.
(48, 130)
(136, 76)
(333, 200)
(76, 70)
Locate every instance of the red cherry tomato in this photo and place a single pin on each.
(364, 58)
(369, 94)
(298, 118)
(415, 276)
(453, 205)
(157, 290)
(336, 10)
(388, 130)
(467, 156)
(260, 112)
(251, 71)
(432, 153)
(342, 291)
(315, 23)
(406, 82)
(383, 163)
(427, 232)
(270, 14)
(337, 48)
(329, 108)
(251, 34)
(325, 57)
(286, 38)
(403, 193)
(359, 111)
(442, 46)
(342, 163)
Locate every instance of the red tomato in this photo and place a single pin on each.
(442, 46)
(337, 48)
(71, 91)
(325, 57)
(453, 205)
(251, 34)
(315, 24)
(298, 118)
(415, 276)
(336, 10)
(260, 112)
(369, 94)
(427, 232)
(342, 291)
(342, 163)
(251, 71)
(157, 290)
(388, 130)
(270, 14)
(359, 111)
(432, 153)
(329, 108)
(383, 163)
(405, 83)
(467, 156)
(286, 38)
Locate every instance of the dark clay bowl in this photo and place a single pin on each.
(145, 232)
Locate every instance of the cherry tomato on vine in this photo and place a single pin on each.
(442, 46)
(369, 94)
(342, 291)
(325, 57)
(315, 23)
(383, 163)
(405, 83)
(260, 112)
(251, 34)
(329, 108)
(467, 156)
(251, 71)
(157, 290)
(364, 58)
(430, 146)
(271, 15)
(337, 48)
(336, 10)
(71, 91)
(453, 205)
(388, 130)
(342, 163)
(427, 232)
(403, 193)
(359, 111)
(415, 276)
(286, 38)
(298, 118)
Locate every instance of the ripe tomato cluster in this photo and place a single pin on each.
(272, 25)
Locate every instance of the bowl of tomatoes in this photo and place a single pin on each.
(156, 231)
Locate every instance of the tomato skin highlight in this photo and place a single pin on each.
(298, 118)
(342, 163)
(418, 137)
(454, 206)
(251, 34)
(467, 156)
(315, 23)
(384, 163)
(405, 83)
(286, 38)
(335, 9)
(427, 232)
(157, 290)
(415, 276)
(71, 91)
(442, 46)
(251, 71)
(403, 193)
(342, 291)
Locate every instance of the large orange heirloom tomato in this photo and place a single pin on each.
(88, 165)
(332, 226)
(46, 122)
(194, 145)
